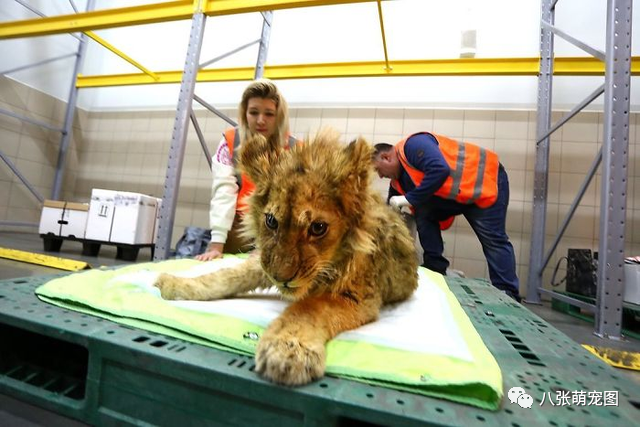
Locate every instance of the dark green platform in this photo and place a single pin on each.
(103, 373)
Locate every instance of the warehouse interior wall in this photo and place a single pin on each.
(121, 135)
(33, 149)
(128, 150)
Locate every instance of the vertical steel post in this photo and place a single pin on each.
(264, 43)
(613, 196)
(179, 137)
(67, 128)
(541, 174)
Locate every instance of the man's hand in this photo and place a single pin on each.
(213, 251)
(399, 202)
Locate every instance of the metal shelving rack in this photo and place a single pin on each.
(184, 113)
(67, 128)
(616, 64)
(613, 156)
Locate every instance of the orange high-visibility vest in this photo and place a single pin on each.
(245, 185)
(473, 176)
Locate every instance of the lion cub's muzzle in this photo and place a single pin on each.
(287, 284)
(282, 271)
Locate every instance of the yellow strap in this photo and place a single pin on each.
(40, 259)
(616, 358)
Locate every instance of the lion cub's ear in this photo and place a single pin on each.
(359, 167)
(257, 158)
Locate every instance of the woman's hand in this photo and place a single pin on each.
(213, 251)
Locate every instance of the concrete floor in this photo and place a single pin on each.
(31, 242)
(578, 330)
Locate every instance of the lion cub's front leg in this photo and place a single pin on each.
(292, 349)
(223, 283)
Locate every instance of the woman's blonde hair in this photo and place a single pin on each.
(266, 89)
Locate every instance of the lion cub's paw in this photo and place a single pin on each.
(172, 287)
(288, 361)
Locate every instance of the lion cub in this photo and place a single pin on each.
(326, 240)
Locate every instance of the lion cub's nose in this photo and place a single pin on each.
(283, 268)
(285, 281)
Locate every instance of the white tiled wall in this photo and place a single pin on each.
(129, 151)
(33, 150)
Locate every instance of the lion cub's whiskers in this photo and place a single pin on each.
(325, 272)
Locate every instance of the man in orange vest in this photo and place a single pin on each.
(438, 178)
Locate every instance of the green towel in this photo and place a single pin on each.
(399, 351)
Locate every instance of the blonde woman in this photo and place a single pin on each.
(262, 110)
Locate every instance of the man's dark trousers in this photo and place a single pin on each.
(488, 224)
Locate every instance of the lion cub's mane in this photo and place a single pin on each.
(367, 251)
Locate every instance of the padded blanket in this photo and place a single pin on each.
(425, 345)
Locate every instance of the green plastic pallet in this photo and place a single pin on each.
(103, 373)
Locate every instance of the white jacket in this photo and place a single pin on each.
(224, 194)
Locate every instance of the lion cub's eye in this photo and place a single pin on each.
(318, 229)
(271, 221)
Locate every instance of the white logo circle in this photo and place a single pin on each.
(525, 401)
(519, 395)
(514, 393)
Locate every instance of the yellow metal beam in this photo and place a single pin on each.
(148, 14)
(230, 7)
(439, 67)
(121, 54)
(99, 19)
(384, 38)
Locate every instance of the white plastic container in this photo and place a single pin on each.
(134, 218)
(632, 283)
(100, 218)
(66, 219)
